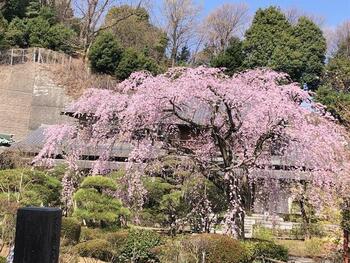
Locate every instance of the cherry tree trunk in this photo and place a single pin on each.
(235, 215)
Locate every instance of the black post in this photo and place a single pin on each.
(37, 235)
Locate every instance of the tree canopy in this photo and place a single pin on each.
(246, 119)
(298, 50)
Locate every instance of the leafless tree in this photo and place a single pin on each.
(293, 14)
(181, 19)
(343, 36)
(338, 37)
(225, 22)
(91, 13)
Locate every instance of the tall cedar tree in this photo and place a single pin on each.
(298, 50)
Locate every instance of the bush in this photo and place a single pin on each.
(262, 233)
(96, 248)
(133, 61)
(315, 247)
(222, 248)
(105, 54)
(214, 247)
(267, 249)
(70, 229)
(139, 246)
(90, 234)
(40, 188)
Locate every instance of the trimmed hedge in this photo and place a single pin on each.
(266, 249)
(70, 230)
(139, 246)
(97, 248)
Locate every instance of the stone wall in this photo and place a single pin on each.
(28, 98)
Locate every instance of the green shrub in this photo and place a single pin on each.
(214, 247)
(315, 247)
(135, 61)
(222, 248)
(105, 53)
(117, 239)
(269, 249)
(94, 205)
(40, 188)
(96, 248)
(90, 234)
(262, 233)
(139, 246)
(70, 229)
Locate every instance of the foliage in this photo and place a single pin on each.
(17, 33)
(105, 53)
(315, 246)
(117, 239)
(99, 182)
(298, 50)
(222, 248)
(94, 204)
(135, 31)
(264, 36)
(139, 245)
(3, 27)
(30, 187)
(209, 248)
(268, 249)
(135, 61)
(96, 248)
(231, 58)
(184, 55)
(91, 233)
(313, 48)
(70, 229)
(338, 73)
(263, 233)
(3, 259)
(40, 31)
(15, 8)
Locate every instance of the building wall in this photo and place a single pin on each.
(29, 97)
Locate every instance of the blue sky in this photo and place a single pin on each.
(334, 11)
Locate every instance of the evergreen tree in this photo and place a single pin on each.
(268, 31)
(15, 8)
(184, 55)
(298, 50)
(135, 61)
(105, 54)
(313, 49)
(231, 58)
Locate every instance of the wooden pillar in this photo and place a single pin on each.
(11, 56)
(37, 235)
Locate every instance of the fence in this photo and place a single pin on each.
(38, 55)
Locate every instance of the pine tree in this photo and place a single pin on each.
(313, 49)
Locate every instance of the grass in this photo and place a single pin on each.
(312, 248)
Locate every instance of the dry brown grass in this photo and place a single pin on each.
(76, 77)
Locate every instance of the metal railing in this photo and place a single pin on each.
(15, 56)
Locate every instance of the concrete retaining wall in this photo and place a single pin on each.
(28, 98)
